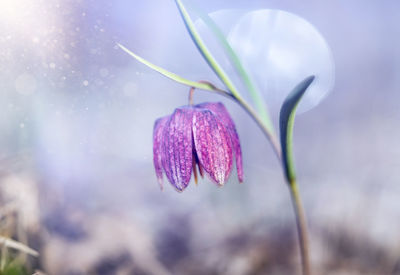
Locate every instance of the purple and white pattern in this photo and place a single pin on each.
(203, 135)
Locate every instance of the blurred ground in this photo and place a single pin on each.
(76, 176)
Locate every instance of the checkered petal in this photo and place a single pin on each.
(219, 109)
(213, 145)
(177, 157)
(157, 147)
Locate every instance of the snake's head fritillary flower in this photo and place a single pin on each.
(202, 136)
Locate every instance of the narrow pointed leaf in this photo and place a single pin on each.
(212, 62)
(18, 246)
(286, 123)
(237, 64)
(170, 75)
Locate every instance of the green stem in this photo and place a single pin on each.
(301, 223)
(265, 124)
(204, 50)
(301, 227)
(237, 64)
(286, 123)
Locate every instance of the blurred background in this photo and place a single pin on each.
(77, 182)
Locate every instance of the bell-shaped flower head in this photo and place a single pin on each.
(203, 135)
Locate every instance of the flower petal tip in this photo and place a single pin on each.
(179, 190)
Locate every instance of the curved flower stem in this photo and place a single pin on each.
(295, 195)
(294, 191)
(301, 227)
(286, 125)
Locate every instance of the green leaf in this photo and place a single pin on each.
(175, 77)
(286, 123)
(204, 50)
(237, 64)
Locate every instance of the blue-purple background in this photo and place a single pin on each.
(76, 119)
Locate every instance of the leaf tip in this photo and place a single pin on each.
(286, 123)
(309, 80)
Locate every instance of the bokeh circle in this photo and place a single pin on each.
(280, 49)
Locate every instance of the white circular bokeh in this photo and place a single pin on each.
(280, 49)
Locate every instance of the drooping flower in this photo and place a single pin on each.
(203, 135)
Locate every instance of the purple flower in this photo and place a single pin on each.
(203, 135)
